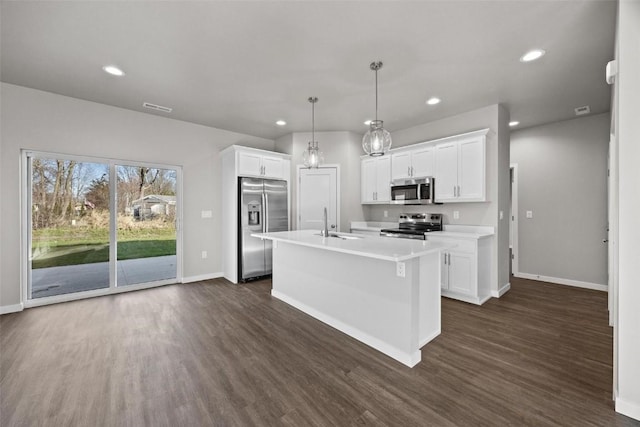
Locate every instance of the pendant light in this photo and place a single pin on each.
(312, 156)
(377, 140)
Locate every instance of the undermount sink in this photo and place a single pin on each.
(341, 236)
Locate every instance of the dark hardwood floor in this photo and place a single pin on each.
(212, 353)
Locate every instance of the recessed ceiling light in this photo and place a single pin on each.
(532, 55)
(433, 101)
(514, 123)
(113, 70)
(367, 122)
(281, 123)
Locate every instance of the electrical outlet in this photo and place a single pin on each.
(501, 215)
(386, 214)
(400, 272)
(529, 214)
(456, 214)
(204, 254)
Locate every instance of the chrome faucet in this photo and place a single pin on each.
(325, 231)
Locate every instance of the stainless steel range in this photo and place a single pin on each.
(414, 225)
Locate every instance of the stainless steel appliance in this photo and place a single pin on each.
(413, 191)
(263, 207)
(414, 226)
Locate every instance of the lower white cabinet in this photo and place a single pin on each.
(466, 268)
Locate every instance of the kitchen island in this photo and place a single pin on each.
(382, 292)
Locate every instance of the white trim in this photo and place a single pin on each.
(202, 277)
(627, 408)
(14, 308)
(324, 166)
(407, 359)
(514, 224)
(471, 299)
(96, 293)
(503, 290)
(560, 281)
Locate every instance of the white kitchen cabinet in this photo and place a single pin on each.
(466, 267)
(256, 163)
(375, 180)
(460, 170)
(417, 163)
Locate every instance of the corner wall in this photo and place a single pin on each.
(44, 121)
(341, 148)
(562, 179)
(628, 134)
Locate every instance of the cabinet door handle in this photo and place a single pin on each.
(408, 171)
(411, 170)
(458, 191)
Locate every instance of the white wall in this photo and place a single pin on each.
(496, 118)
(562, 174)
(43, 121)
(341, 148)
(628, 127)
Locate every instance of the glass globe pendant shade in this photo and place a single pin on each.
(312, 156)
(377, 140)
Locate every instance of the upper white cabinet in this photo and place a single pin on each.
(375, 180)
(416, 163)
(257, 163)
(460, 169)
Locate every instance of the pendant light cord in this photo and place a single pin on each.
(313, 124)
(376, 94)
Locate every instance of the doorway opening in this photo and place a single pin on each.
(513, 220)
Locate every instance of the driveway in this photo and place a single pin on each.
(85, 277)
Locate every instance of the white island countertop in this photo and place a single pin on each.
(386, 249)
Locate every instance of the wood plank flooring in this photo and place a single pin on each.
(212, 353)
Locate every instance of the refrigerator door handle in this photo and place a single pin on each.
(266, 212)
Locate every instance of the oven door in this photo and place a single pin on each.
(402, 235)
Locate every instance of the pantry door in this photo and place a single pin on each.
(317, 189)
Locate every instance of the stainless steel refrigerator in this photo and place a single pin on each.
(263, 208)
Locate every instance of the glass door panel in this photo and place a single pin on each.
(146, 224)
(69, 226)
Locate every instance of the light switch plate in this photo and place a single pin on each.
(204, 254)
(386, 214)
(501, 214)
(207, 214)
(529, 214)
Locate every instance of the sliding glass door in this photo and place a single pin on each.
(69, 226)
(97, 225)
(146, 231)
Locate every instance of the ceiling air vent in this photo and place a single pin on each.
(582, 110)
(157, 107)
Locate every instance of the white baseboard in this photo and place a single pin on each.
(6, 309)
(503, 290)
(201, 277)
(559, 281)
(627, 408)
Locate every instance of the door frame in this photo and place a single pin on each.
(513, 168)
(298, 182)
(25, 229)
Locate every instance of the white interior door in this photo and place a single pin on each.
(317, 189)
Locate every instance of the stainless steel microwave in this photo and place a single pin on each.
(413, 192)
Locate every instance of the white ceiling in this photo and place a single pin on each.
(241, 65)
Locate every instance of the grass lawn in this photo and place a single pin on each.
(63, 246)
